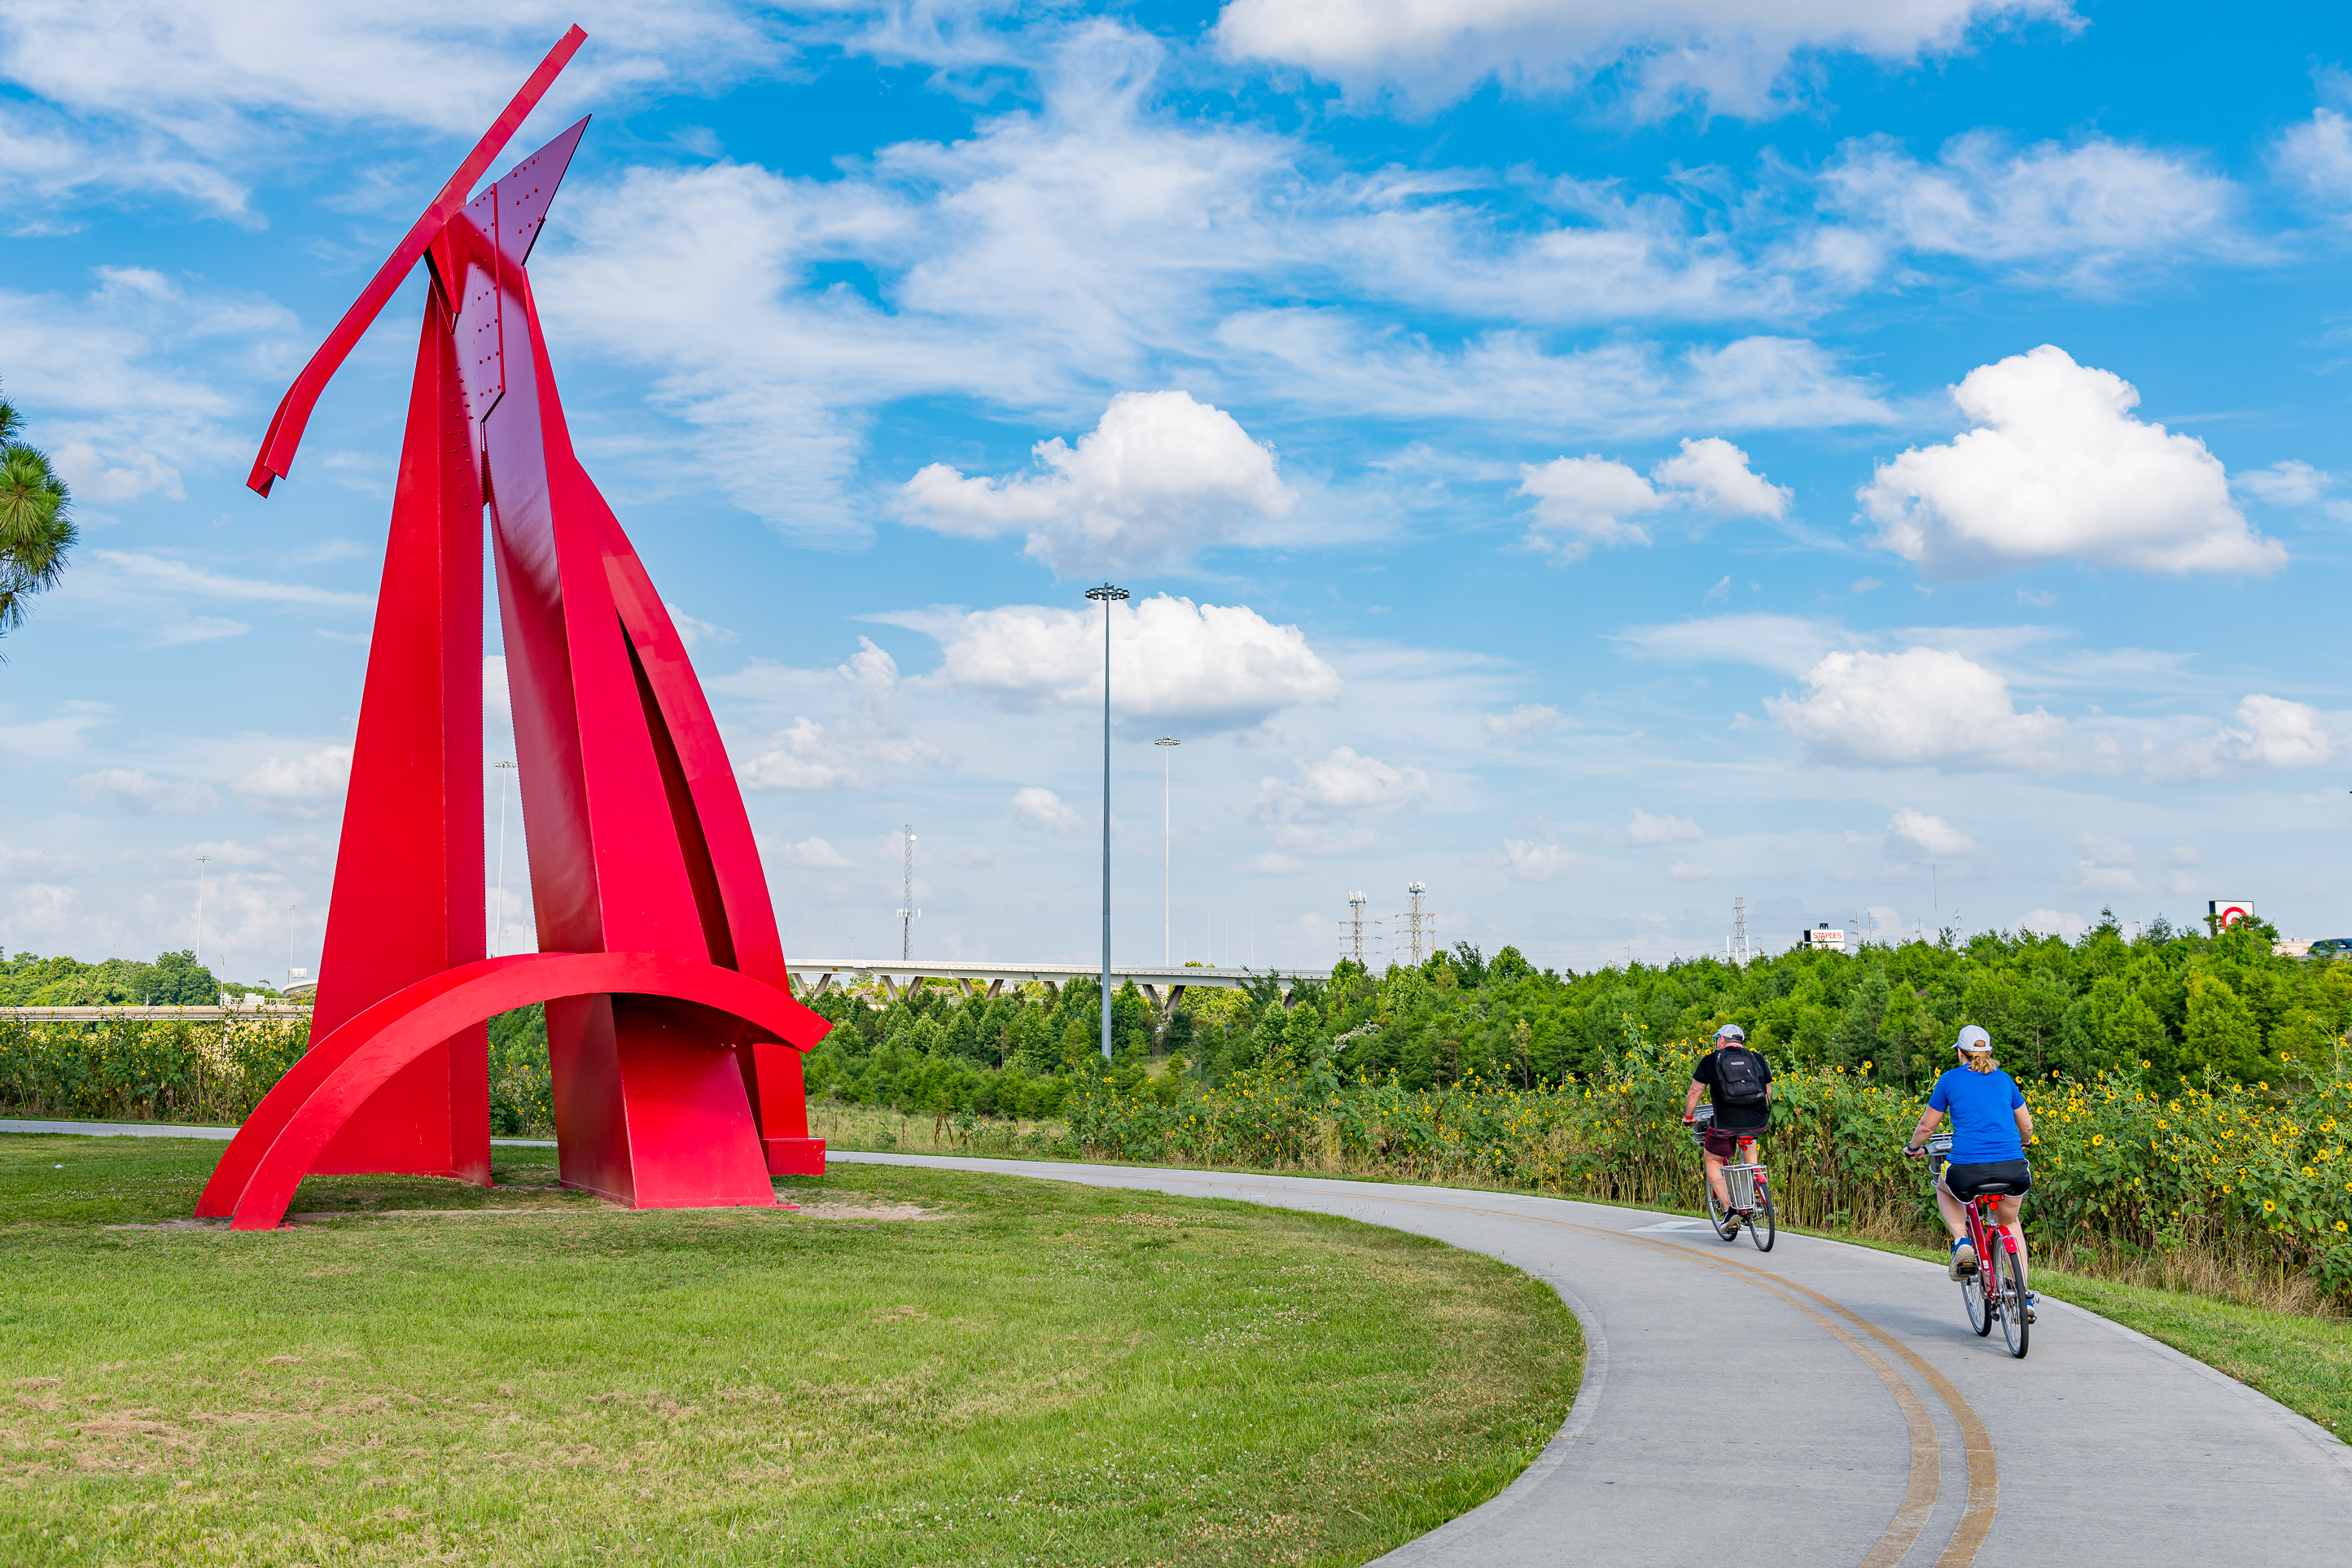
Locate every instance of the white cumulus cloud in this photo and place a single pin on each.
(2315, 157)
(2083, 209)
(1923, 707)
(693, 631)
(2289, 483)
(309, 785)
(1040, 810)
(1527, 719)
(1158, 478)
(2104, 865)
(1644, 828)
(809, 754)
(142, 793)
(1928, 836)
(1311, 814)
(2271, 733)
(1732, 56)
(2056, 469)
(1713, 474)
(1216, 664)
(1534, 859)
(812, 854)
(1591, 500)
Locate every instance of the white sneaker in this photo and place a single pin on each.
(1964, 1260)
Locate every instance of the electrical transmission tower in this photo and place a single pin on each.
(1420, 927)
(907, 910)
(1740, 953)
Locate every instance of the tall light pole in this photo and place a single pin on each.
(498, 936)
(1167, 849)
(907, 910)
(293, 912)
(200, 909)
(1106, 596)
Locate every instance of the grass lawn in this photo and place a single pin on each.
(1048, 1373)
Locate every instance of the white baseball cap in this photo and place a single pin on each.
(1973, 1039)
(1732, 1032)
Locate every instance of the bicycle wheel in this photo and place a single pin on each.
(2013, 1326)
(1976, 1293)
(1715, 1211)
(1761, 1228)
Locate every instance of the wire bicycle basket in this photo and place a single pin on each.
(1740, 1182)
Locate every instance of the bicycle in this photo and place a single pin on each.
(1992, 1288)
(1750, 1192)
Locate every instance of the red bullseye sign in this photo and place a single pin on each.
(672, 1036)
(2227, 912)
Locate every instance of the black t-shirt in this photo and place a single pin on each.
(1735, 1118)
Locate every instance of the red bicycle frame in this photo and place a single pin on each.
(1983, 1226)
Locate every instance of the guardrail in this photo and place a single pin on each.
(897, 974)
(102, 1015)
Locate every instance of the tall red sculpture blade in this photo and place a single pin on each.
(674, 1040)
(276, 456)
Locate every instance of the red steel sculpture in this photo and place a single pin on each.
(673, 1034)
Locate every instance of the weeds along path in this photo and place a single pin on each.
(1826, 1405)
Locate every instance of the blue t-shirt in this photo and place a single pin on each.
(1982, 1106)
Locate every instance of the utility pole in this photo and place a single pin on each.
(1167, 849)
(1106, 596)
(200, 909)
(907, 910)
(497, 938)
(292, 911)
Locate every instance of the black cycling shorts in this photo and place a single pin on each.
(1965, 1180)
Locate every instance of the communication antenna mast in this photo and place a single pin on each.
(1420, 927)
(1739, 930)
(1353, 942)
(907, 912)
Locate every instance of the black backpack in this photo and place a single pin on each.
(1738, 1076)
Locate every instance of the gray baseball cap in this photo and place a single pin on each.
(1972, 1040)
(1732, 1032)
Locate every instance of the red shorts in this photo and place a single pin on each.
(1724, 1144)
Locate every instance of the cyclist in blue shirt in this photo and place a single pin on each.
(1991, 1128)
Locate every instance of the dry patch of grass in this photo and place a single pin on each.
(1034, 1373)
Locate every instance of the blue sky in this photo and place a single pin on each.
(1882, 461)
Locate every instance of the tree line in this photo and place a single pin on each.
(2168, 1002)
(172, 980)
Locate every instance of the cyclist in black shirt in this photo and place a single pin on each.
(1740, 1083)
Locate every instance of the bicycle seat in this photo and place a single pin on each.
(1991, 1187)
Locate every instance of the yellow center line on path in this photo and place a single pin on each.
(1926, 1452)
(1919, 1498)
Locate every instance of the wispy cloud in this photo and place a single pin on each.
(159, 574)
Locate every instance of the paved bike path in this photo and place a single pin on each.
(1826, 1405)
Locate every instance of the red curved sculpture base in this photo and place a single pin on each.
(653, 1113)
